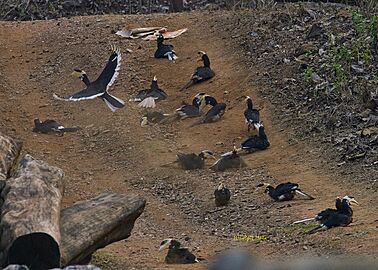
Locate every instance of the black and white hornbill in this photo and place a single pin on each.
(215, 113)
(252, 116)
(329, 218)
(285, 192)
(200, 74)
(256, 142)
(192, 161)
(152, 117)
(100, 87)
(164, 50)
(148, 97)
(51, 126)
(177, 254)
(191, 110)
(229, 160)
(222, 195)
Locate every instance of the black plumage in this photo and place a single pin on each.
(153, 117)
(341, 216)
(252, 116)
(229, 160)
(256, 142)
(193, 161)
(222, 195)
(202, 73)
(191, 110)
(147, 97)
(51, 126)
(100, 87)
(177, 254)
(285, 192)
(329, 218)
(215, 113)
(164, 50)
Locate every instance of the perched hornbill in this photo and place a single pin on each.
(256, 142)
(229, 160)
(285, 192)
(222, 195)
(164, 50)
(200, 74)
(192, 161)
(252, 116)
(100, 87)
(215, 113)
(177, 254)
(148, 97)
(329, 218)
(51, 126)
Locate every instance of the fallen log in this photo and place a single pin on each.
(89, 225)
(9, 152)
(30, 218)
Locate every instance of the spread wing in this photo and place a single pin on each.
(111, 70)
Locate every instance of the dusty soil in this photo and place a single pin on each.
(113, 152)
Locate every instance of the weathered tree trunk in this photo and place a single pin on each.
(30, 218)
(9, 152)
(177, 5)
(89, 225)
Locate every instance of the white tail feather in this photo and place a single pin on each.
(147, 103)
(303, 221)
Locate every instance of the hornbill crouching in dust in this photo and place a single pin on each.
(177, 254)
(200, 74)
(148, 97)
(153, 117)
(164, 50)
(285, 192)
(187, 110)
(99, 88)
(222, 195)
(329, 218)
(51, 126)
(252, 116)
(256, 142)
(192, 161)
(214, 114)
(229, 160)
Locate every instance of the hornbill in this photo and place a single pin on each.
(214, 114)
(48, 126)
(177, 254)
(252, 116)
(222, 195)
(285, 192)
(192, 161)
(256, 142)
(153, 117)
(100, 87)
(148, 97)
(200, 74)
(229, 160)
(164, 50)
(329, 218)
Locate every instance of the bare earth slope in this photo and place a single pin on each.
(113, 152)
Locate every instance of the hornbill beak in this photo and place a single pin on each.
(78, 73)
(155, 78)
(351, 200)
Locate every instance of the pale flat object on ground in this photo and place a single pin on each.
(150, 33)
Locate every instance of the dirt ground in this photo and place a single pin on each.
(113, 152)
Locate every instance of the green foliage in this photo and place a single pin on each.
(308, 73)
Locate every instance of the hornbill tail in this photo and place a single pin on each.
(304, 194)
(187, 85)
(74, 129)
(169, 164)
(148, 103)
(317, 229)
(113, 102)
(302, 221)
